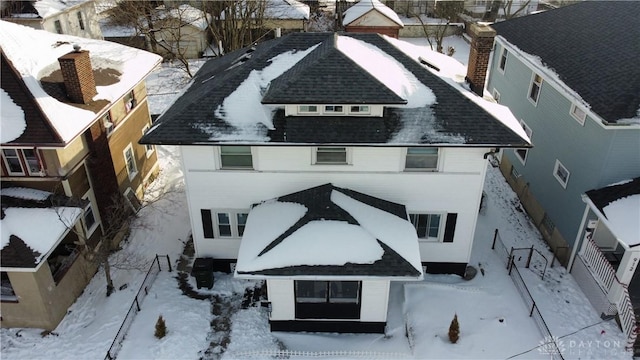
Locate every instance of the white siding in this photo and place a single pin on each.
(375, 299)
(282, 299)
(375, 171)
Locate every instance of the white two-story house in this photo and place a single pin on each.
(332, 164)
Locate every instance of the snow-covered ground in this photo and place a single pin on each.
(494, 320)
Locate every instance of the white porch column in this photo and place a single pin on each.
(628, 266)
(578, 243)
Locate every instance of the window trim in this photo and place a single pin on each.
(347, 151)
(130, 104)
(134, 173)
(529, 132)
(359, 110)
(107, 122)
(308, 111)
(328, 297)
(96, 222)
(558, 165)
(233, 223)
(80, 20)
(496, 95)
(580, 119)
(538, 85)
(236, 167)
(441, 222)
(57, 24)
(421, 169)
(502, 62)
(23, 160)
(148, 147)
(8, 167)
(325, 111)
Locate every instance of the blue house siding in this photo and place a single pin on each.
(593, 155)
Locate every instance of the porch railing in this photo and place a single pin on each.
(600, 267)
(617, 292)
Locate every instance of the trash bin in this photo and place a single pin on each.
(203, 272)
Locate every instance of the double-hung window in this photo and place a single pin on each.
(223, 223)
(534, 90)
(578, 114)
(561, 174)
(130, 162)
(421, 159)
(148, 147)
(107, 123)
(503, 60)
(129, 101)
(236, 157)
(331, 155)
(523, 152)
(15, 161)
(80, 20)
(434, 227)
(427, 225)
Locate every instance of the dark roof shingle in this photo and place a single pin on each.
(594, 48)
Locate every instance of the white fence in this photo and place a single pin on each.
(287, 354)
(617, 293)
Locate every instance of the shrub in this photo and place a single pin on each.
(454, 330)
(161, 328)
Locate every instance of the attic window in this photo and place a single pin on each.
(333, 109)
(307, 109)
(359, 109)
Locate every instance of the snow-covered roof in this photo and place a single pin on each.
(189, 15)
(620, 205)
(47, 8)
(286, 10)
(40, 58)
(32, 224)
(329, 231)
(436, 106)
(364, 6)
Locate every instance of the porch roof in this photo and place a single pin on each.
(23, 244)
(330, 232)
(620, 205)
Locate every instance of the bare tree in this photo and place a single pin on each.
(235, 23)
(447, 11)
(163, 28)
(116, 225)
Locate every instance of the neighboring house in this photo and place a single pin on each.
(73, 110)
(182, 31)
(41, 267)
(366, 137)
(77, 18)
(584, 121)
(372, 16)
(606, 263)
(482, 9)
(286, 15)
(582, 118)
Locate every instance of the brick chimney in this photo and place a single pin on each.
(78, 75)
(481, 45)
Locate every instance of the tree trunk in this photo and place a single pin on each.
(107, 272)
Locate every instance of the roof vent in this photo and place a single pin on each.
(76, 48)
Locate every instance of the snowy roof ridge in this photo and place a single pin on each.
(286, 9)
(457, 118)
(40, 58)
(364, 6)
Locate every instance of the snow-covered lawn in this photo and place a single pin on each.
(494, 320)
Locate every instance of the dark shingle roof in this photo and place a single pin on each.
(453, 120)
(606, 195)
(594, 48)
(328, 65)
(319, 206)
(38, 130)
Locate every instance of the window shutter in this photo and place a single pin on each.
(450, 227)
(207, 223)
